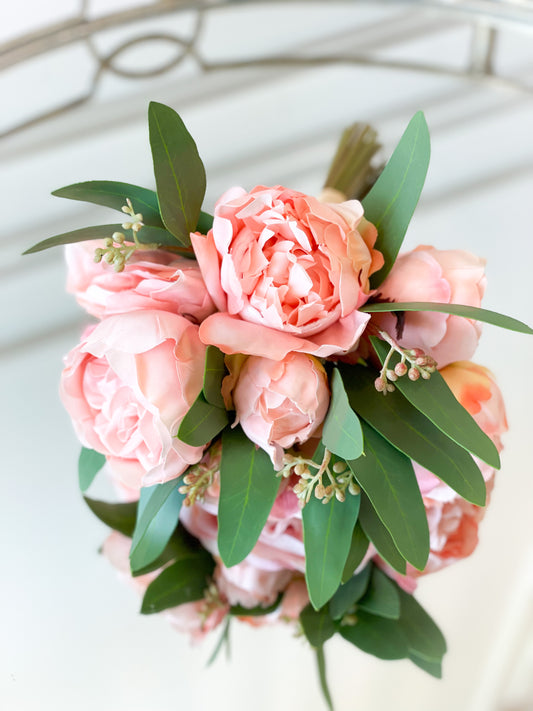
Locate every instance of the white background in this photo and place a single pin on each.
(71, 637)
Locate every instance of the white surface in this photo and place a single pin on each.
(71, 635)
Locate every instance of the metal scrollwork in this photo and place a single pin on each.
(486, 17)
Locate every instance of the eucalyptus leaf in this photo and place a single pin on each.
(434, 399)
(376, 635)
(317, 625)
(157, 517)
(257, 611)
(181, 545)
(321, 664)
(214, 372)
(431, 666)
(381, 597)
(342, 433)
(119, 517)
(179, 171)
(202, 422)
(113, 194)
(205, 223)
(89, 464)
(184, 581)
(146, 235)
(392, 200)
(413, 433)
(379, 536)
(423, 636)
(485, 315)
(328, 532)
(388, 479)
(248, 488)
(349, 593)
(358, 549)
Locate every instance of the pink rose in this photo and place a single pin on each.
(453, 522)
(247, 585)
(193, 618)
(286, 272)
(128, 385)
(446, 276)
(150, 280)
(281, 403)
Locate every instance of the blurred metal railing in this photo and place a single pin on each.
(487, 19)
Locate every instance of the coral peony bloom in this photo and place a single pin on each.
(281, 403)
(150, 280)
(286, 272)
(446, 276)
(453, 522)
(128, 385)
(191, 618)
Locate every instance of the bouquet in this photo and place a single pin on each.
(284, 402)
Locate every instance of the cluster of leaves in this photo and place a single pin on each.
(378, 438)
(374, 614)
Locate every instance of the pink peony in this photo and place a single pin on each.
(277, 556)
(150, 280)
(193, 618)
(128, 385)
(446, 276)
(286, 272)
(281, 403)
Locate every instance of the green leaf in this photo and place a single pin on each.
(223, 639)
(258, 611)
(214, 372)
(86, 233)
(430, 666)
(146, 235)
(376, 635)
(391, 202)
(379, 536)
(157, 517)
(328, 532)
(110, 193)
(181, 545)
(388, 479)
(119, 517)
(349, 593)
(321, 663)
(248, 488)
(382, 597)
(434, 399)
(492, 317)
(183, 581)
(424, 638)
(412, 433)
(317, 625)
(358, 549)
(179, 171)
(89, 464)
(205, 223)
(202, 422)
(342, 432)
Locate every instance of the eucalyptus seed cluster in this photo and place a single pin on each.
(211, 602)
(326, 483)
(414, 362)
(200, 477)
(196, 482)
(115, 251)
